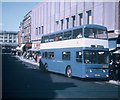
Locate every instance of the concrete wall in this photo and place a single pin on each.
(48, 15)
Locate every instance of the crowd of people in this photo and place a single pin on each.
(32, 55)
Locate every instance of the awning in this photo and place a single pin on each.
(18, 48)
(112, 49)
(21, 47)
(33, 49)
(117, 51)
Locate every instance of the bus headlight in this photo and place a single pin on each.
(104, 71)
(86, 75)
(107, 75)
(90, 71)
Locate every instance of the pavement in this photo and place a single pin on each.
(29, 62)
(114, 82)
(36, 66)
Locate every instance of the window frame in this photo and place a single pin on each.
(67, 56)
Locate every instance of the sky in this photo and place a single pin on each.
(13, 13)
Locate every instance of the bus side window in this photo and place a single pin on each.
(65, 55)
(59, 37)
(79, 56)
(44, 55)
(42, 40)
(50, 55)
(52, 38)
(67, 35)
(77, 33)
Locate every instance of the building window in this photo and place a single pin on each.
(80, 19)
(14, 36)
(10, 41)
(67, 23)
(6, 36)
(57, 25)
(36, 31)
(89, 17)
(62, 24)
(1, 36)
(1, 40)
(39, 30)
(73, 21)
(5, 40)
(14, 41)
(57, 22)
(42, 29)
(10, 37)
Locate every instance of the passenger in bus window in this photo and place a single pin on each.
(92, 35)
(60, 38)
(57, 38)
(79, 35)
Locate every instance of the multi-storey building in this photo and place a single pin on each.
(25, 28)
(25, 31)
(48, 17)
(8, 38)
(21, 33)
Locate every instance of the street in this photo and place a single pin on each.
(21, 81)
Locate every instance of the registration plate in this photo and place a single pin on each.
(97, 74)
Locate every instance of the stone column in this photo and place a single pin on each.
(117, 17)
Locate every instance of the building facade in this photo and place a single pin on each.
(48, 17)
(9, 38)
(25, 29)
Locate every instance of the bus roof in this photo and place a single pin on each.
(94, 26)
(78, 27)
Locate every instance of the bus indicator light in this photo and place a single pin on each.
(105, 66)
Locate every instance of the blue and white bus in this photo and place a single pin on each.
(80, 51)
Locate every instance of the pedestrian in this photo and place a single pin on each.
(118, 69)
(112, 69)
(116, 64)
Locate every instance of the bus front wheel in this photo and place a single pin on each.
(69, 71)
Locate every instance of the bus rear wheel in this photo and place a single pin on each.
(46, 67)
(69, 72)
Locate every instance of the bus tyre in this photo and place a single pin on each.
(69, 72)
(46, 67)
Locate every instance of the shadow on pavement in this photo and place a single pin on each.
(19, 82)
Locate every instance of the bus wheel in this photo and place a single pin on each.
(46, 67)
(69, 72)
